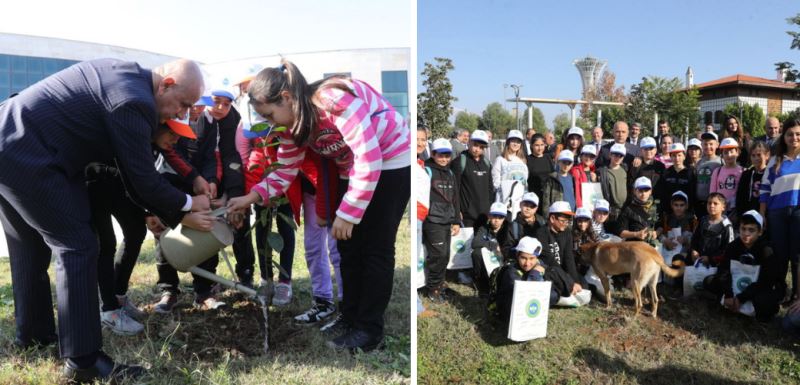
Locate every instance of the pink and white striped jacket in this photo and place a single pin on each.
(363, 134)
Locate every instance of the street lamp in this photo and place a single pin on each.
(516, 88)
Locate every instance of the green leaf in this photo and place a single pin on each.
(259, 127)
(254, 166)
(275, 241)
(288, 220)
(279, 129)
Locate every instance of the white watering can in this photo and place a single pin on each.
(185, 248)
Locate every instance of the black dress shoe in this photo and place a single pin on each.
(104, 369)
(357, 339)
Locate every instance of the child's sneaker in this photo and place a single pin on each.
(319, 311)
(120, 322)
(283, 294)
(130, 309)
(166, 304)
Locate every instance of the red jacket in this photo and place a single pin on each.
(311, 168)
(578, 177)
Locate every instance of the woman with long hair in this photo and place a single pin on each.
(346, 122)
(571, 140)
(510, 167)
(733, 129)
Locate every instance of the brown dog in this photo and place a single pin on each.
(638, 258)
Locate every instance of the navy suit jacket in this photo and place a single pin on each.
(95, 111)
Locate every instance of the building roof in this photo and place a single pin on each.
(746, 80)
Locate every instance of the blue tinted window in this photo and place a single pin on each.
(18, 64)
(5, 63)
(51, 66)
(394, 81)
(19, 81)
(3, 93)
(34, 77)
(4, 81)
(34, 64)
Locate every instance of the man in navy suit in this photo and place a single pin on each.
(96, 111)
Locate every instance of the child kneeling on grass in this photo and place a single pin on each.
(712, 235)
(527, 267)
(750, 248)
(489, 236)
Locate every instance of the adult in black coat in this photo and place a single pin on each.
(96, 111)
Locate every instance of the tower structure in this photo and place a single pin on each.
(590, 69)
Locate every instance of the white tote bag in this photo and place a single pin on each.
(743, 275)
(510, 193)
(491, 261)
(693, 277)
(590, 192)
(530, 307)
(420, 275)
(461, 250)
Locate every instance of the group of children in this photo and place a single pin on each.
(705, 206)
(343, 168)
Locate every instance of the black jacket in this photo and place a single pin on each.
(201, 152)
(652, 171)
(232, 168)
(505, 287)
(672, 181)
(515, 230)
(634, 217)
(475, 188)
(749, 182)
(485, 238)
(444, 202)
(771, 275)
(557, 252)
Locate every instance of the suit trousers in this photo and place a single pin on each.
(45, 213)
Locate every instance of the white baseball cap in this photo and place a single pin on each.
(515, 134)
(575, 131)
(709, 135)
(442, 145)
(602, 205)
(530, 197)
(642, 182)
(755, 215)
(695, 142)
(680, 194)
(618, 149)
(583, 212)
(647, 142)
(498, 208)
(589, 150)
(561, 207)
(479, 136)
(676, 147)
(529, 245)
(566, 155)
(728, 143)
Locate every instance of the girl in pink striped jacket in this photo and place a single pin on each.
(346, 121)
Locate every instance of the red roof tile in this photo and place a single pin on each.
(740, 79)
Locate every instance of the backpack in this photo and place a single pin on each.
(494, 279)
(462, 161)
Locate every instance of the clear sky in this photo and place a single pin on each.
(212, 31)
(533, 43)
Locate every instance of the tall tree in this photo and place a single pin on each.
(435, 104)
(751, 116)
(792, 74)
(497, 119)
(668, 98)
(606, 90)
(467, 120)
(538, 121)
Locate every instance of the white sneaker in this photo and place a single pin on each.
(584, 297)
(283, 294)
(120, 322)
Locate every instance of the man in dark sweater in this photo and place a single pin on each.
(557, 246)
(474, 179)
(442, 221)
(750, 248)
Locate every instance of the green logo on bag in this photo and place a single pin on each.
(460, 246)
(533, 307)
(743, 283)
(494, 258)
(420, 263)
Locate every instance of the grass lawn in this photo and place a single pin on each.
(195, 347)
(692, 342)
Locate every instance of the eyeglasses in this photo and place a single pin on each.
(563, 220)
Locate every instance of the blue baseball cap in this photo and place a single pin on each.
(223, 93)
